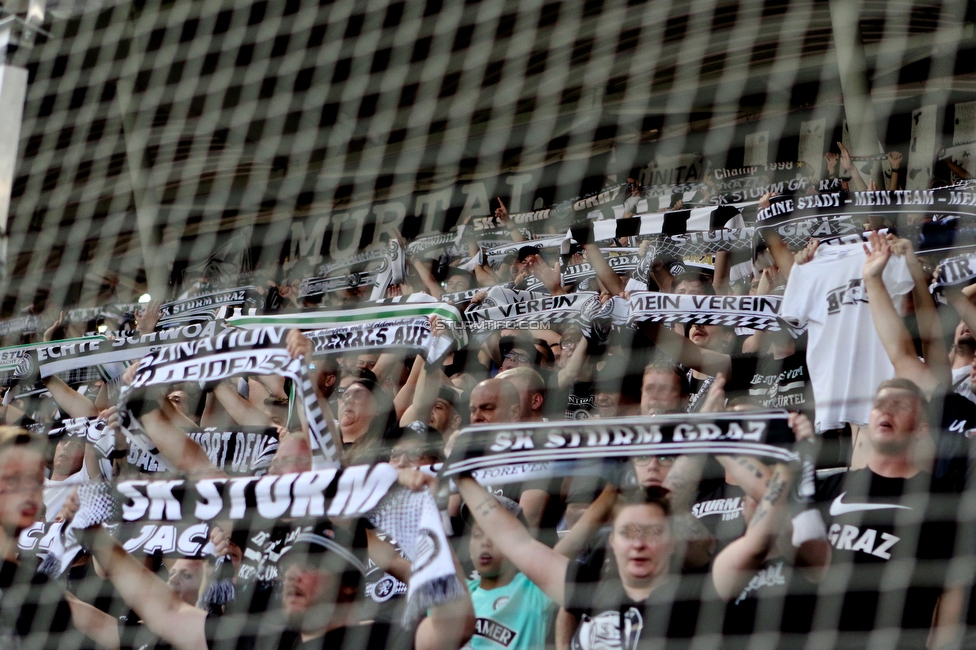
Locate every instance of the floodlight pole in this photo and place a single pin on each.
(16, 40)
(853, 68)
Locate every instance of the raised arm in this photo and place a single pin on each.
(160, 608)
(891, 330)
(751, 475)
(93, 622)
(894, 159)
(846, 162)
(240, 409)
(611, 281)
(429, 383)
(177, 447)
(574, 367)
(685, 352)
(541, 564)
(595, 515)
(738, 562)
(71, 401)
(547, 275)
(300, 346)
(682, 481)
(501, 213)
(929, 324)
(430, 282)
(723, 269)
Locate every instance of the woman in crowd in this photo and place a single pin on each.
(642, 599)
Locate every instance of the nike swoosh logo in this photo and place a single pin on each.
(838, 507)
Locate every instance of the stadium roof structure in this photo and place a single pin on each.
(158, 131)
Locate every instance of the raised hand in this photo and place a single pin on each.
(501, 212)
(831, 159)
(147, 318)
(49, 332)
(298, 345)
(806, 254)
(845, 157)
(878, 255)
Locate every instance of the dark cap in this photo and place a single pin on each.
(448, 394)
(507, 343)
(324, 547)
(525, 251)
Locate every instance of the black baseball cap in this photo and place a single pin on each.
(525, 251)
(325, 547)
(448, 394)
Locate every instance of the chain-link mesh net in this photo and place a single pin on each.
(188, 167)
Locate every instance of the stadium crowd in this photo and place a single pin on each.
(713, 547)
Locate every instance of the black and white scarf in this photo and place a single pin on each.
(229, 354)
(378, 268)
(543, 311)
(206, 307)
(242, 451)
(362, 320)
(621, 260)
(110, 356)
(499, 294)
(409, 517)
(754, 312)
(955, 271)
(485, 447)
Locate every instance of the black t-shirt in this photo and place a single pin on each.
(774, 383)
(776, 599)
(375, 636)
(271, 634)
(952, 441)
(575, 402)
(884, 531)
(34, 614)
(610, 619)
(718, 506)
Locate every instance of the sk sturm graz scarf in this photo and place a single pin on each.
(205, 307)
(480, 448)
(231, 353)
(376, 268)
(409, 517)
(181, 540)
(567, 210)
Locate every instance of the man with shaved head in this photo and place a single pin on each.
(494, 401)
(532, 392)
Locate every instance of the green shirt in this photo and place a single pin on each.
(516, 616)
